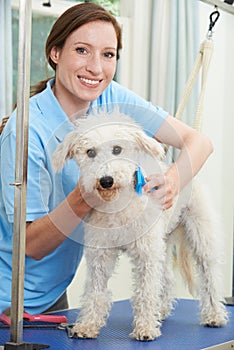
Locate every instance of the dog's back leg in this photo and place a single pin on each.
(168, 280)
(97, 298)
(202, 238)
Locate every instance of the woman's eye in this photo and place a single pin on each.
(109, 54)
(91, 153)
(81, 50)
(116, 150)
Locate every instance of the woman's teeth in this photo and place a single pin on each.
(88, 81)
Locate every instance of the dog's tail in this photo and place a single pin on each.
(184, 261)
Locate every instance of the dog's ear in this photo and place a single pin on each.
(63, 152)
(149, 144)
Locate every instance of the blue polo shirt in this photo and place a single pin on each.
(47, 279)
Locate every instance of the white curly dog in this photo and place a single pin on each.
(108, 150)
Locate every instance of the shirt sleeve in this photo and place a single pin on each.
(148, 116)
(38, 179)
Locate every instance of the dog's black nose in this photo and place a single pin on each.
(106, 181)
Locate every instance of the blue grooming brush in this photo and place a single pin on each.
(140, 180)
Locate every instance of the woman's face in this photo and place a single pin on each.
(85, 65)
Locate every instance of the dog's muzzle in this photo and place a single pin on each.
(106, 187)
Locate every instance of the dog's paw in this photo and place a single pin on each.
(215, 319)
(145, 334)
(81, 330)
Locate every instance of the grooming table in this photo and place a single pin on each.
(181, 331)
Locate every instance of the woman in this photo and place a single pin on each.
(82, 48)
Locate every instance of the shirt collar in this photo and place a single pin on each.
(53, 112)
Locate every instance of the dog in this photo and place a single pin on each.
(109, 148)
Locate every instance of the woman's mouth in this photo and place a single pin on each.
(91, 82)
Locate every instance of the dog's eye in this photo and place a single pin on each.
(91, 153)
(116, 150)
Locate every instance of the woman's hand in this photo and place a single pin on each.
(90, 199)
(164, 187)
(194, 148)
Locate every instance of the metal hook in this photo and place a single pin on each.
(214, 16)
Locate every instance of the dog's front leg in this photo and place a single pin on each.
(97, 298)
(148, 259)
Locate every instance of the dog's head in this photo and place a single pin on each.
(108, 149)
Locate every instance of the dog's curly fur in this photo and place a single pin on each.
(108, 149)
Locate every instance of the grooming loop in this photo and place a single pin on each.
(202, 63)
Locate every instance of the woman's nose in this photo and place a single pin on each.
(94, 64)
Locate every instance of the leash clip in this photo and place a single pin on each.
(214, 16)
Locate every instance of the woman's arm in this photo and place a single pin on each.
(194, 147)
(45, 234)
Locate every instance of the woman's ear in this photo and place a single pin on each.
(54, 54)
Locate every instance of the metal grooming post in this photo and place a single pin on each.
(18, 263)
(20, 184)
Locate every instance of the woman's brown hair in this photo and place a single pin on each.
(70, 20)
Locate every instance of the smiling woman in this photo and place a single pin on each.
(43, 17)
(91, 61)
(85, 65)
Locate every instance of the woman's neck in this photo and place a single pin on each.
(73, 107)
